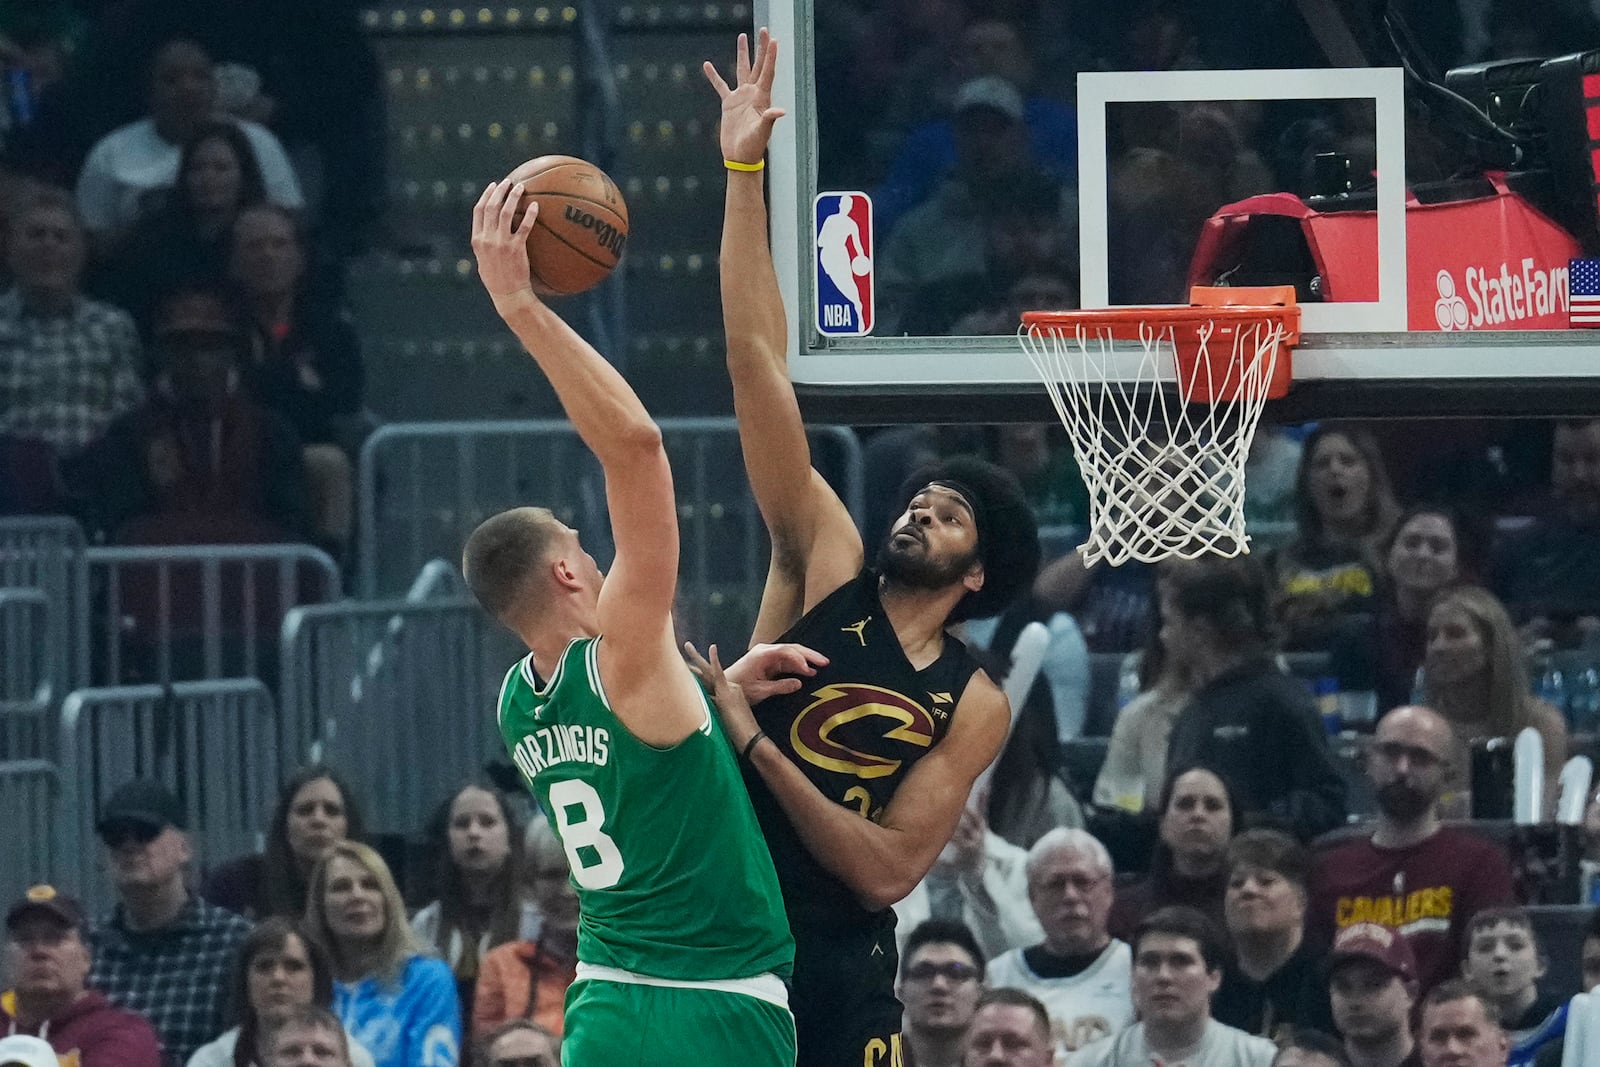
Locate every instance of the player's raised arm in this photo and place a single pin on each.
(635, 604)
(800, 509)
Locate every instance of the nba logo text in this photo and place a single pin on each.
(844, 265)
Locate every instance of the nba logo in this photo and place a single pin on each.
(844, 264)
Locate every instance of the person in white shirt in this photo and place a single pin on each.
(131, 168)
(1079, 972)
(1178, 956)
(979, 880)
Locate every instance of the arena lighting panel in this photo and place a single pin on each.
(1354, 358)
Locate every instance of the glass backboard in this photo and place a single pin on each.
(1026, 154)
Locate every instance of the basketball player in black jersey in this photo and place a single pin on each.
(860, 777)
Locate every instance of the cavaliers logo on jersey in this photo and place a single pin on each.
(815, 731)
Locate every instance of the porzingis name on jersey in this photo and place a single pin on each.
(562, 743)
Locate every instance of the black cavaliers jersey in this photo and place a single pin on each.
(855, 728)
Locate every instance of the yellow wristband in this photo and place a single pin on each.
(747, 168)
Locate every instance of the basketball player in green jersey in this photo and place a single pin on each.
(858, 779)
(683, 947)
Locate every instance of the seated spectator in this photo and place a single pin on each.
(1372, 989)
(161, 952)
(1412, 874)
(528, 979)
(199, 462)
(476, 844)
(989, 48)
(1197, 816)
(1543, 573)
(519, 1043)
(1040, 457)
(1589, 863)
(303, 361)
(1136, 757)
(994, 176)
(941, 976)
(1344, 510)
(1178, 957)
(1009, 1029)
(310, 1037)
(185, 240)
(1079, 972)
(279, 971)
(1459, 1029)
(1276, 985)
(47, 960)
(980, 881)
(1428, 552)
(1474, 676)
(130, 170)
(68, 365)
(1504, 963)
(1310, 1048)
(398, 1002)
(1028, 795)
(1217, 611)
(315, 811)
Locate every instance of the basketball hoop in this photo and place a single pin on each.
(1165, 479)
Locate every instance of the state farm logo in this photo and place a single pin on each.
(1496, 297)
(1449, 310)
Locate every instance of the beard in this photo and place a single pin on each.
(913, 568)
(1403, 802)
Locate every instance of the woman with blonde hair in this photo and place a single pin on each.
(393, 998)
(1473, 675)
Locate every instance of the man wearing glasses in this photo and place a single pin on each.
(1412, 874)
(1079, 972)
(941, 975)
(519, 1043)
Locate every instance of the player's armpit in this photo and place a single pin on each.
(882, 862)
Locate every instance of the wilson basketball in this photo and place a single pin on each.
(582, 227)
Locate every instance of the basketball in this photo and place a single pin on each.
(582, 227)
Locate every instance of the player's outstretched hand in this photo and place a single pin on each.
(500, 243)
(747, 111)
(738, 721)
(772, 670)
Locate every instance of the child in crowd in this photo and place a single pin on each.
(1504, 963)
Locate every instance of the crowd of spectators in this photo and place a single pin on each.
(178, 190)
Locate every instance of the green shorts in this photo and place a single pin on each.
(630, 1024)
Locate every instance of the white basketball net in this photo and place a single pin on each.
(1165, 479)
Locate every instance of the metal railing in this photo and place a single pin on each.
(423, 487)
(29, 790)
(47, 554)
(25, 665)
(398, 695)
(184, 612)
(214, 743)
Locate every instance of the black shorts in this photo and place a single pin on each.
(845, 1010)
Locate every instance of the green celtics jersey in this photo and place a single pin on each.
(673, 875)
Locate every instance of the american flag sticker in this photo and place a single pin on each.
(1583, 293)
(844, 264)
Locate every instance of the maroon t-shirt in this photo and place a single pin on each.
(1427, 892)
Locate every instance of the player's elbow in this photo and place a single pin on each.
(640, 437)
(884, 888)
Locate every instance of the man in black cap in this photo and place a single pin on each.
(47, 958)
(162, 951)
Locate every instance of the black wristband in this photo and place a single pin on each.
(751, 744)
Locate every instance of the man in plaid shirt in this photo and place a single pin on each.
(161, 952)
(68, 365)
